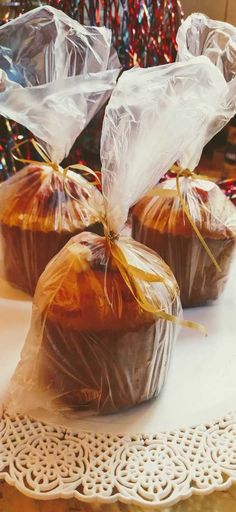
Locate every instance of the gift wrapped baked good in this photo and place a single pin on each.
(53, 87)
(94, 356)
(106, 308)
(161, 224)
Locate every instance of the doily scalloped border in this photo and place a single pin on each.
(49, 462)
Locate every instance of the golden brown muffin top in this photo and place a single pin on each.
(83, 289)
(213, 213)
(35, 199)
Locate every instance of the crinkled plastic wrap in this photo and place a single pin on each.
(91, 347)
(55, 75)
(161, 224)
(190, 102)
(199, 35)
(103, 321)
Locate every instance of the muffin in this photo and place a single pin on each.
(91, 347)
(37, 217)
(161, 224)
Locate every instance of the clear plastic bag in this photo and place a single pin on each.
(199, 35)
(54, 76)
(104, 314)
(89, 355)
(161, 224)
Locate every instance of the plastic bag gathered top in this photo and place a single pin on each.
(161, 224)
(106, 308)
(45, 45)
(199, 35)
(55, 75)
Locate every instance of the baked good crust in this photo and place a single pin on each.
(211, 210)
(35, 199)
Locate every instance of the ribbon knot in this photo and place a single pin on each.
(186, 173)
(112, 236)
(46, 161)
(55, 166)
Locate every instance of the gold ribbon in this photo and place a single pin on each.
(84, 206)
(129, 273)
(186, 173)
(53, 165)
(194, 226)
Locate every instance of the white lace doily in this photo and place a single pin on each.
(46, 461)
(50, 462)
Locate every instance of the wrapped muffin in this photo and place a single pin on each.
(161, 224)
(106, 308)
(53, 87)
(100, 351)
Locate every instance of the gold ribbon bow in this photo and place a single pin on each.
(55, 166)
(129, 273)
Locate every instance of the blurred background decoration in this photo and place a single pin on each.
(143, 31)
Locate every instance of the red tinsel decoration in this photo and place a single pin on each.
(144, 31)
(229, 189)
